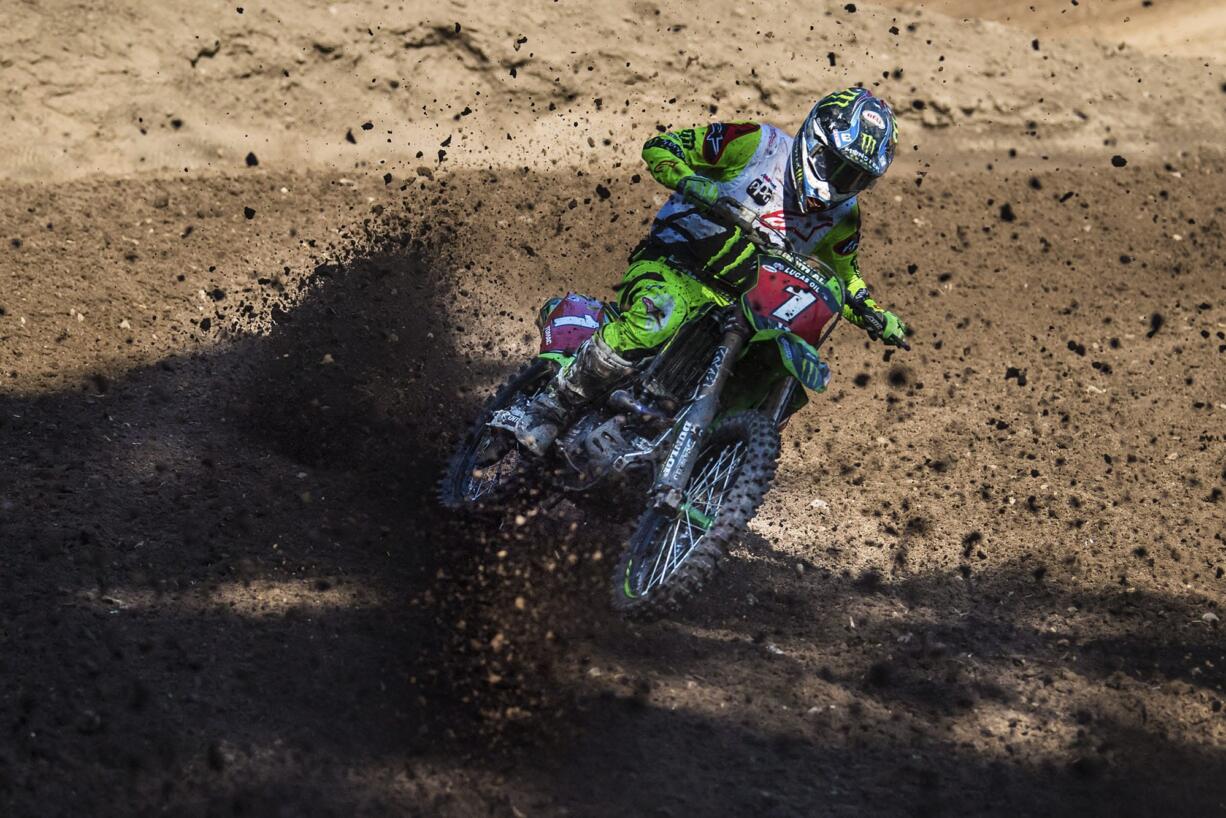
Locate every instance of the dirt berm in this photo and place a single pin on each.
(989, 578)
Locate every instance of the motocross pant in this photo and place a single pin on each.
(655, 299)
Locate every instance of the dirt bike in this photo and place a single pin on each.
(699, 420)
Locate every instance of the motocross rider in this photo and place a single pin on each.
(805, 186)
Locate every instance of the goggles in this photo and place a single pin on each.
(843, 176)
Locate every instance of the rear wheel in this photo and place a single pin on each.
(672, 554)
(488, 465)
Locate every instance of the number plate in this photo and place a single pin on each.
(786, 298)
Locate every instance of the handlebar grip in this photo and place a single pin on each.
(874, 325)
(872, 322)
(731, 211)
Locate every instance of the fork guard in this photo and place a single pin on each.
(798, 357)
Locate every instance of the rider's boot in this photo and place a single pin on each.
(595, 368)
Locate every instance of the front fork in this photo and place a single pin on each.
(780, 398)
(669, 488)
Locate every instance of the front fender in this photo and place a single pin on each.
(798, 357)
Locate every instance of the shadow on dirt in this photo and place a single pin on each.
(227, 562)
(883, 738)
(683, 762)
(226, 591)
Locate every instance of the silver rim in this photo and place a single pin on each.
(704, 496)
(480, 480)
(489, 465)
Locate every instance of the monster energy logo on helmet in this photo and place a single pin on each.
(845, 144)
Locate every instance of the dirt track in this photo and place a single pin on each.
(987, 581)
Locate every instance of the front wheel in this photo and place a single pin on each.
(488, 466)
(672, 554)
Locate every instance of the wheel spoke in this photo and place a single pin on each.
(693, 544)
(710, 480)
(482, 478)
(661, 554)
(703, 483)
(703, 479)
(689, 530)
(667, 550)
(705, 495)
(733, 462)
(670, 551)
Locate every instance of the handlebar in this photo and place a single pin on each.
(735, 214)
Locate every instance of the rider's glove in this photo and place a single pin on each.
(877, 322)
(698, 190)
(895, 331)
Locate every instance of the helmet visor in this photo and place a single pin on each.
(843, 176)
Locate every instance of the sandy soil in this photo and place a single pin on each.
(989, 579)
(1176, 28)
